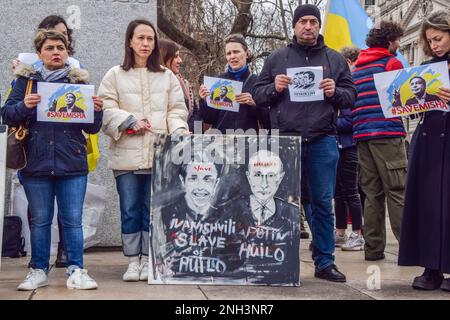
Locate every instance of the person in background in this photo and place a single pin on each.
(171, 59)
(425, 233)
(346, 197)
(142, 99)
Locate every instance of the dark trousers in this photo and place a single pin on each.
(382, 174)
(346, 197)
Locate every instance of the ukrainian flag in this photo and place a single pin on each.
(347, 25)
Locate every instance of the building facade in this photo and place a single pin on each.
(410, 14)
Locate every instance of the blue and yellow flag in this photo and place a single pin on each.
(347, 25)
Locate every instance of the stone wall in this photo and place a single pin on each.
(99, 33)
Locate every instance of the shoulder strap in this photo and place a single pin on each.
(246, 80)
(29, 86)
(26, 125)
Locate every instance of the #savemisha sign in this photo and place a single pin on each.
(412, 90)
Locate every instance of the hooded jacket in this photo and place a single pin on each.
(312, 119)
(53, 149)
(369, 121)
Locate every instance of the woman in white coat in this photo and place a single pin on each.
(140, 98)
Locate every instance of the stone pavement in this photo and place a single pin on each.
(107, 266)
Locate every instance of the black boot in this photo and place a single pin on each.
(303, 233)
(446, 285)
(61, 258)
(429, 280)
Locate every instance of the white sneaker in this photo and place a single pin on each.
(354, 243)
(36, 278)
(79, 279)
(339, 241)
(144, 271)
(133, 272)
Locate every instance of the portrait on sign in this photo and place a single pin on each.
(223, 93)
(223, 218)
(70, 103)
(305, 84)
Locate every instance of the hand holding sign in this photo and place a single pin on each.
(444, 94)
(203, 92)
(328, 86)
(282, 82)
(32, 100)
(98, 104)
(245, 98)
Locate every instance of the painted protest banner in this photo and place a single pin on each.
(222, 211)
(305, 84)
(62, 102)
(3, 139)
(412, 90)
(223, 93)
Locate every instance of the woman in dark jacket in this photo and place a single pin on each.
(425, 231)
(346, 197)
(250, 116)
(57, 165)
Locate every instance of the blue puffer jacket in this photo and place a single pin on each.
(53, 149)
(345, 129)
(368, 118)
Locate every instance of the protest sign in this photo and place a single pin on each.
(222, 221)
(305, 84)
(412, 90)
(223, 93)
(62, 102)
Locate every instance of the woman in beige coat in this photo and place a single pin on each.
(140, 98)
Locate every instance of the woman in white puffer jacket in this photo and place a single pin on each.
(140, 98)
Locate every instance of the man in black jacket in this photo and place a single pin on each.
(315, 121)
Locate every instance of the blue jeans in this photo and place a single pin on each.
(69, 192)
(320, 158)
(134, 193)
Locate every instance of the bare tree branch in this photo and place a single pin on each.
(266, 36)
(174, 33)
(243, 19)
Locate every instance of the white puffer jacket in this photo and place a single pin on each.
(155, 96)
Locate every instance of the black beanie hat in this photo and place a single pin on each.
(306, 10)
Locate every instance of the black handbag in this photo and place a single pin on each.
(16, 142)
(13, 243)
